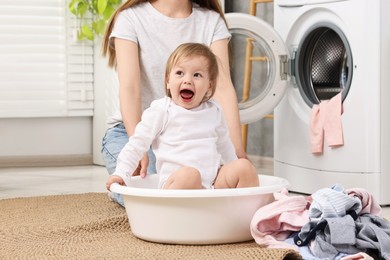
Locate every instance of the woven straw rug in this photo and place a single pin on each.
(89, 226)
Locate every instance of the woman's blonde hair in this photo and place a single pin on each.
(109, 51)
(188, 50)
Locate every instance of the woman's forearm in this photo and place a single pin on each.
(129, 83)
(226, 96)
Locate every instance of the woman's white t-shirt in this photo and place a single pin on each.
(157, 37)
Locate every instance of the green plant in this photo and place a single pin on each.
(93, 16)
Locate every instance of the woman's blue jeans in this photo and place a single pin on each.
(113, 142)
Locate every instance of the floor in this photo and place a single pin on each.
(26, 182)
(39, 181)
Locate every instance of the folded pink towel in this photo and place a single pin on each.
(326, 118)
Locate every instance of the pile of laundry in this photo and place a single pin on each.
(332, 223)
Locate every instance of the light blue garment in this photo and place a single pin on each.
(304, 251)
(307, 254)
(113, 142)
(332, 203)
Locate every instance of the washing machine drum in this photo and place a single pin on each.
(323, 65)
(262, 65)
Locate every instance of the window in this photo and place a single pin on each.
(44, 72)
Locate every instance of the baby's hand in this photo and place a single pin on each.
(114, 179)
(142, 166)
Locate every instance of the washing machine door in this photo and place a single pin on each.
(259, 65)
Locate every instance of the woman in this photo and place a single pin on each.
(201, 155)
(139, 38)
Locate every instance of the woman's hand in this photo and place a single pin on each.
(114, 179)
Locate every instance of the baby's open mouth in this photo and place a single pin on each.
(186, 94)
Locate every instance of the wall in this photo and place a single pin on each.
(106, 91)
(45, 141)
(260, 134)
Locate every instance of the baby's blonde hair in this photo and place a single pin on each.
(188, 50)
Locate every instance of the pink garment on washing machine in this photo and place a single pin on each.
(326, 120)
(273, 223)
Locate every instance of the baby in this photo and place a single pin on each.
(187, 131)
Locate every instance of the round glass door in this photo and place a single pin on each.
(259, 61)
(323, 64)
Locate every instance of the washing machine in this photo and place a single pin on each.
(315, 50)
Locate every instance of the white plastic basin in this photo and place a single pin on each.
(194, 216)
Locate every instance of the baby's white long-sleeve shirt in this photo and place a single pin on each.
(179, 137)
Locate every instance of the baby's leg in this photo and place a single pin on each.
(237, 174)
(184, 178)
